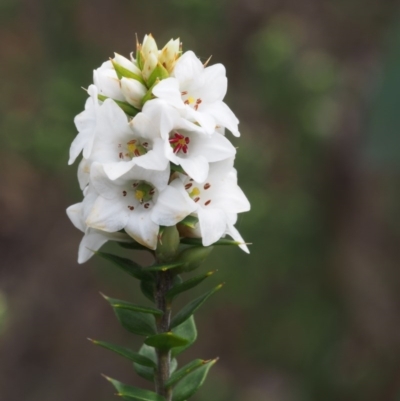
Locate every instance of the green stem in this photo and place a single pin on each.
(163, 285)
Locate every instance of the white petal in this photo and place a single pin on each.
(142, 229)
(74, 213)
(168, 90)
(83, 173)
(196, 167)
(154, 159)
(129, 65)
(206, 120)
(223, 116)
(117, 169)
(212, 223)
(103, 185)
(234, 233)
(107, 83)
(92, 241)
(188, 67)
(215, 83)
(172, 206)
(108, 215)
(214, 148)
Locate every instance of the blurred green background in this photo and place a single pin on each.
(314, 312)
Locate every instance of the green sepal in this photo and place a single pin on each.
(177, 168)
(148, 287)
(125, 352)
(185, 330)
(159, 73)
(192, 382)
(193, 257)
(166, 341)
(147, 372)
(141, 323)
(190, 221)
(198, 241)
(134, 245)
(191, 307)
(134, 393)
(187, 285)
(149, 94)
(164, 267)
(139, 57)
(127, 265)
(182, 372)
(126, 107)
(122, 72)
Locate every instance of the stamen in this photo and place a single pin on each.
(184, 93)
(187, 186)
(131, 207)
(197, 199)
(146, 205)
(124, 193)
(121, 155)
(179, 142)
(208, 202)
(207, 185)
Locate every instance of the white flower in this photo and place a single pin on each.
(93, 239)
(185, 143)
(130, 201)
(217, 201)
(120, 145)
(200, 92)
(106, 80)
(86, 123)
(133, 91)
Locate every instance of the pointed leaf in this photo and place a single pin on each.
(166, 341)
(185, 330)
(119, 304)
(164, 267)
(142, 323)
(127, 265)
(198, 242)
(134, 393)
(191, 307)
(149, 94)
(123, 72)
(148, 288)
(193, 257)
(190, 221)
(126, 352)
(182, 372)
(192, 382)
(187, 285)
(144, 371)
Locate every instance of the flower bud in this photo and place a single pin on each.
(193, 257)
(127, 64)
(149, 46)
(133, 91)
(169, 54)
(150, 64)
(168, 244)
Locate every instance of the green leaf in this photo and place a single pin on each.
(145, 371)
(185, 330)
(125, 352)
(193, 257)
(187, 285)
(134, 393)
(119, 304)
(182, 372)
(191, 307)
(190, 221)
(148, 288)
(164, 266)
(127, 265)
(126, 107)
(166, 341)
(158, 73)
(142, 323)
(192, 382)
(123, 72)
(198, 241)
(149, 94)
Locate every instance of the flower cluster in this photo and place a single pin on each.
(154, 151)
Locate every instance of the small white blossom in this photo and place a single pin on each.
(200, 92)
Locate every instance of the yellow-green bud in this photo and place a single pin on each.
(168, 244)
(193, 257)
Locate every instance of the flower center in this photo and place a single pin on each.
(190, 100)
(133, 148)
(179, 143)
(197, 194)
(143, 192)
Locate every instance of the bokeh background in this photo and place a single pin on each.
(314, 312)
